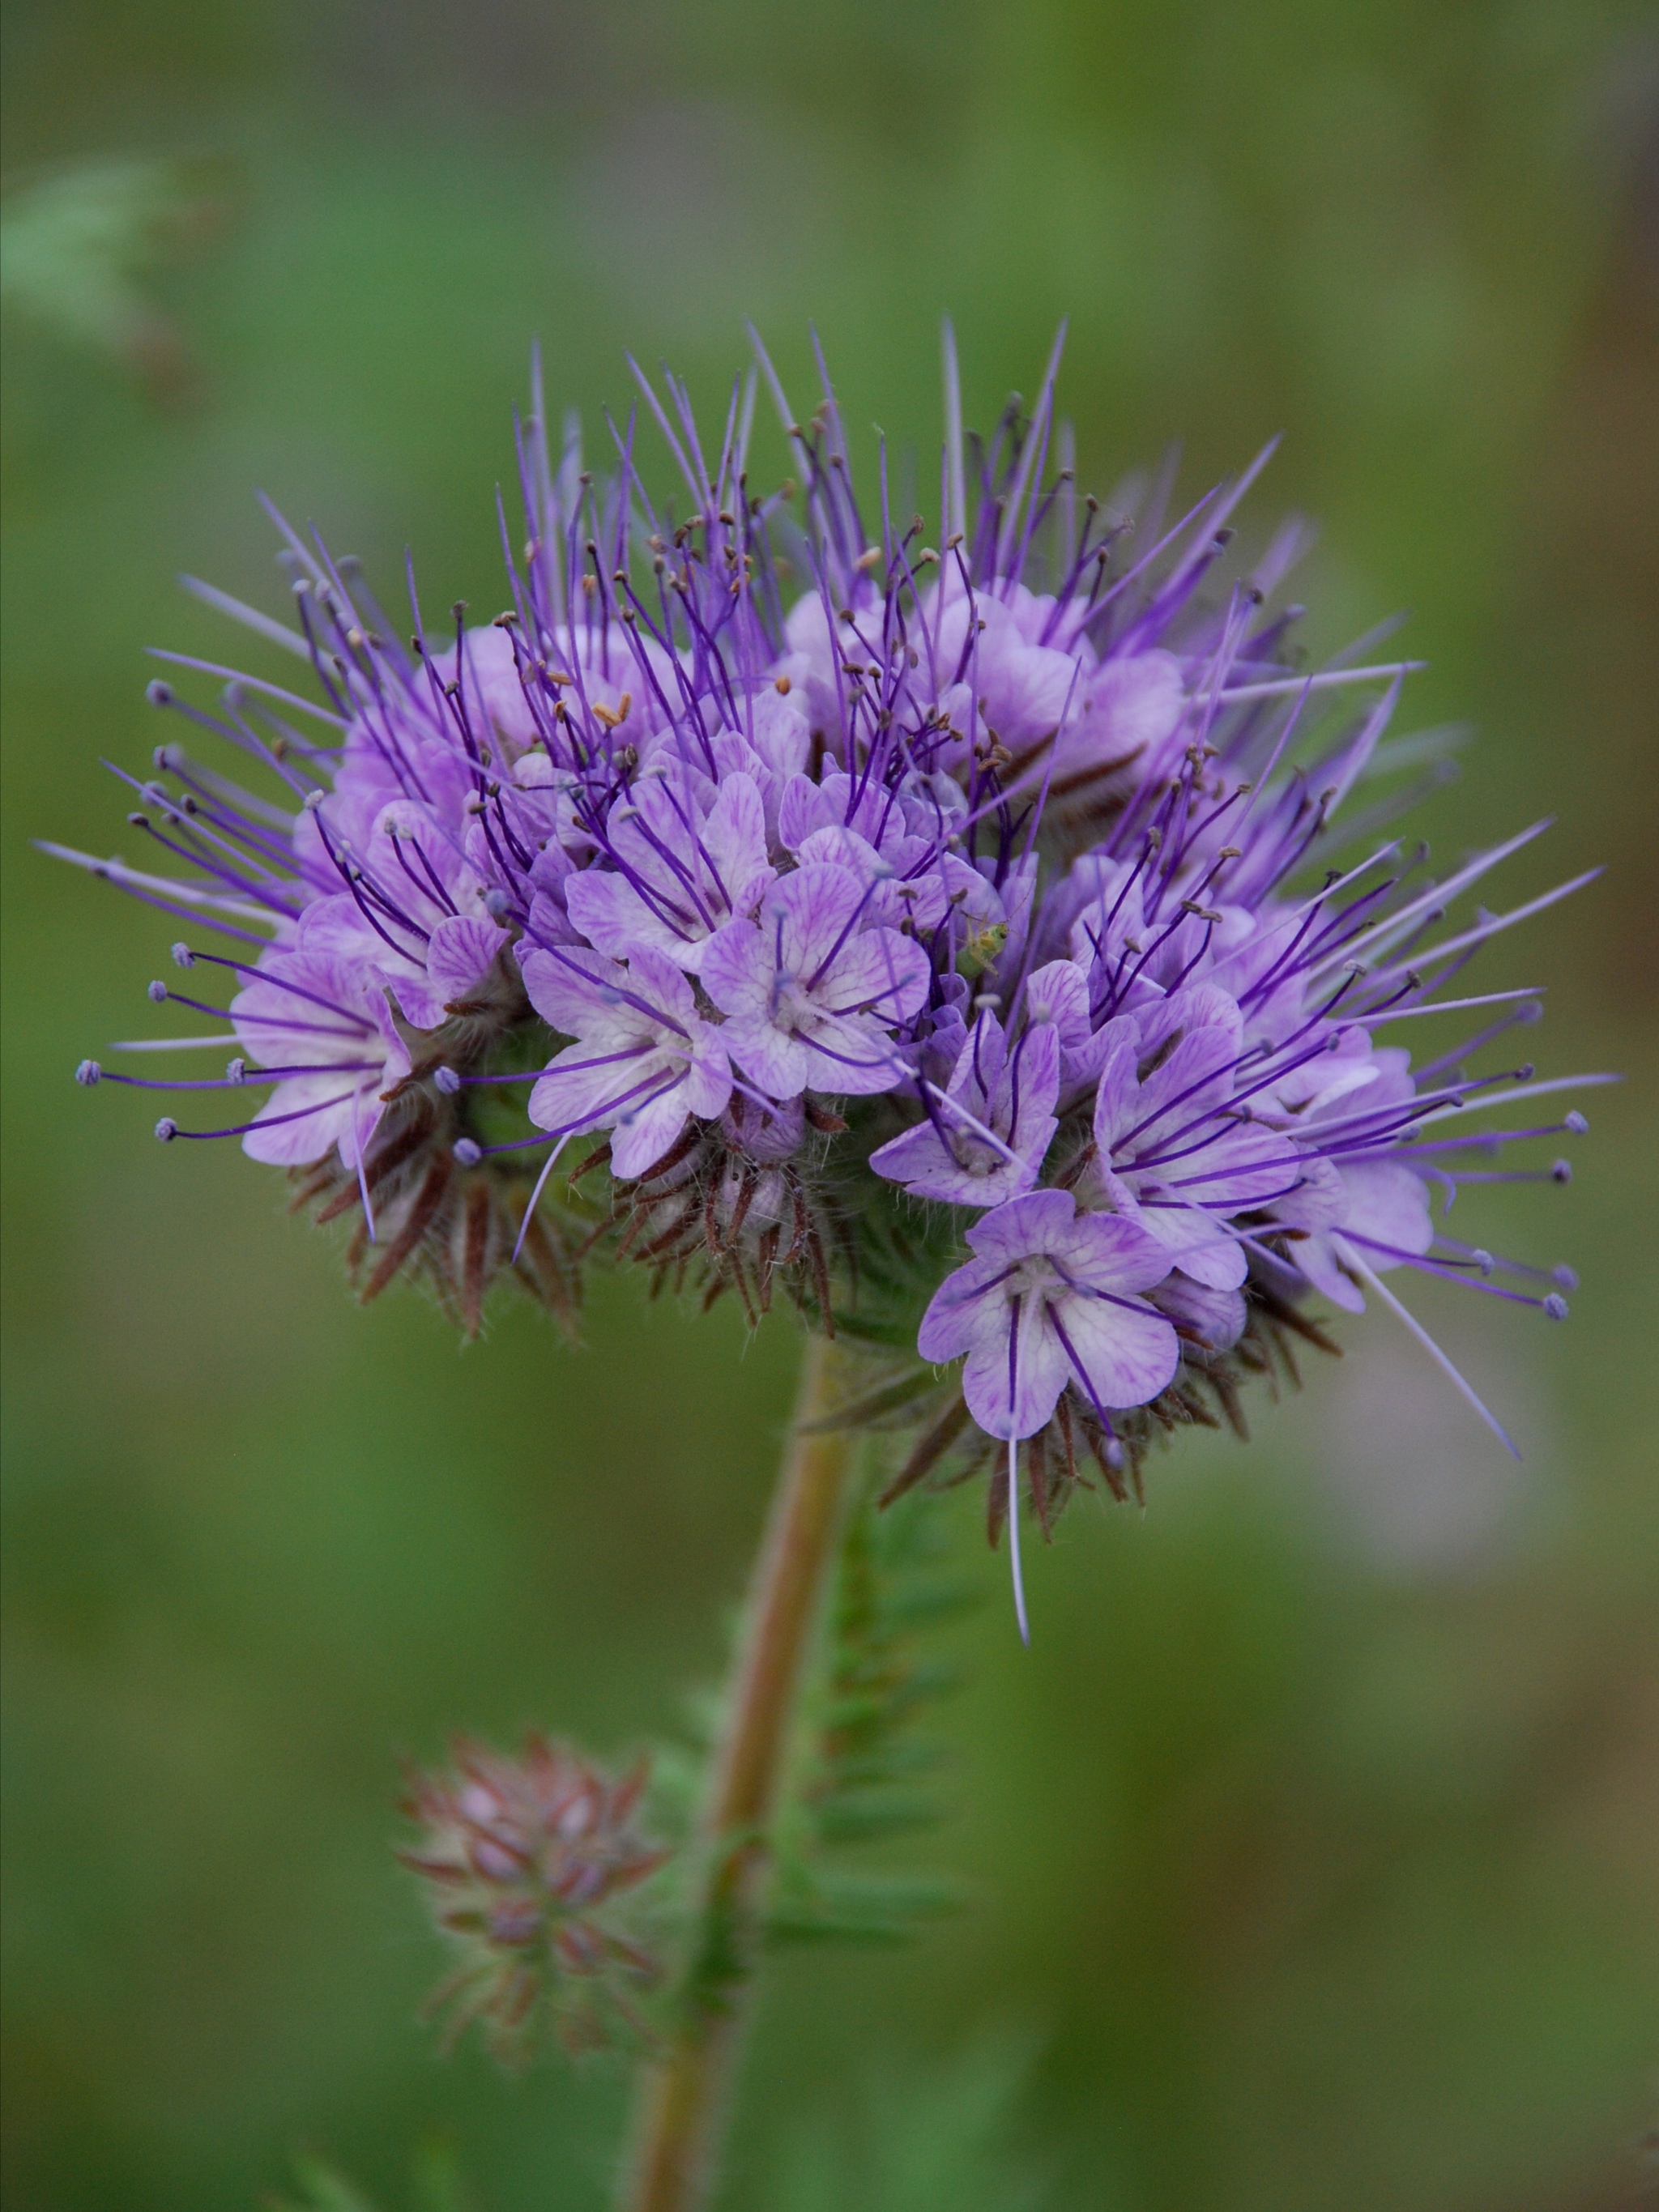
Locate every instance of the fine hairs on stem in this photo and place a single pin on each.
(685, 2095)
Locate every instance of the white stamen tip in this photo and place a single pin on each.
(1013, 1542)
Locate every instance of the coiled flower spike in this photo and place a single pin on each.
(971, 947)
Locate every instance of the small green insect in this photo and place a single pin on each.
(984, 948)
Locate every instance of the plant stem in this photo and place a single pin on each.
(684, 2097)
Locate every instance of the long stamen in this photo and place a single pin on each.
(1368, 1275)
(1013, 1542)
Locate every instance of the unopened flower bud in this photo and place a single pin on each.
(529, 1863)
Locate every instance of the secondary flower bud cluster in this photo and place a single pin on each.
(854, 892)
(523, 1860)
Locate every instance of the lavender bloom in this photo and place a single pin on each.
(1048, 1302)
(427, 974)
(985, 1139)
(1172, 1150)
(314, 1025)
(812, 1000)
(680, 872)
(644, 1059)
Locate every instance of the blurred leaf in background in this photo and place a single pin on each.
(943, 2135)
(79, 247)
(437, 2184)
(324, 2189)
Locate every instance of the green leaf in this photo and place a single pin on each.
(865, 1412)
(439, 2185)
(856, 1818)
(857, 1762)
(325, 2189)
(835, 1907)
(944, 2136)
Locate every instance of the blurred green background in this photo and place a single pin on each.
(1315, 1840)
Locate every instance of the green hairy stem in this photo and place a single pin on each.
(686, 2092)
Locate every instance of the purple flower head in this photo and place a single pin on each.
(985, 1137)
(812, 997)
(995, 868)
(1048, 1303)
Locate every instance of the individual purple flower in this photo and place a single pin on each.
(644, 1061)
(898, 844)
(773, 746)
(427, 971)
(812, 668)
(811, 998)
(999, 673)
(1130, 713)
(1138, 936)
(674, 873)
(1057, 992)
(1048, 1301)
(1018, 667)
(321, 1029)
(985, 1138)
(1171, 1148)
(511, 694)
(1337, 1106)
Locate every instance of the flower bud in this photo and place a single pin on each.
(529, 1864)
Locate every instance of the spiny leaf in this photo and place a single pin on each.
(840, 1908)
(858, 1763)
(865, 1412)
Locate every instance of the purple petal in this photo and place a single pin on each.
(462, 950)
(777, 1063)
(641, 1137)
(738, 968)
(567, 989)
(879, 969)
(1014, 1396)
(1109, 1252)
(815, 904)
(1125, 1357)
(297, 1141)
(1032, 1223)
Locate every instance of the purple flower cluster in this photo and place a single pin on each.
(992, 875)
